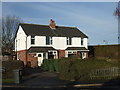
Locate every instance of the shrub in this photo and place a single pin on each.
(10, 66)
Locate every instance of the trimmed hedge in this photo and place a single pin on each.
(105, 51)
(75, 69)
(78, 69)
(10, 66)
(51, 65)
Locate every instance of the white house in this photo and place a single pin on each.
(37, 42)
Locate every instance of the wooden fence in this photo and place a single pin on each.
(107, 73)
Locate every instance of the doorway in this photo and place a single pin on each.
(40, 59)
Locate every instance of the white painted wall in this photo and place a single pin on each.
(86, 43)
(39, 41)
(28, 42)
(76, 42)
(20, 40)
(58, 42)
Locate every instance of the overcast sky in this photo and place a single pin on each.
(95, 19)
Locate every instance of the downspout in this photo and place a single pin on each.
(16, 48)
(26, 51)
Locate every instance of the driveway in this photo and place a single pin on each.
(45, 79)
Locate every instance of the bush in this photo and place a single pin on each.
(10, 66)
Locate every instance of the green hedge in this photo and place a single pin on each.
(78, 69)
(73, 68)
(107, 51)
(10, 66)
(51, 65)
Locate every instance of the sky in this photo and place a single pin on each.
(95, 19)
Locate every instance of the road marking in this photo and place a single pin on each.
(59, 86)
(87, 85)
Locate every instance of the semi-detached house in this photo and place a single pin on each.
(33, 42)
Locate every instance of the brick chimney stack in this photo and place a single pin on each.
(52, 24)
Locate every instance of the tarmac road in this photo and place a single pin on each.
(65, 88)
(49, 81)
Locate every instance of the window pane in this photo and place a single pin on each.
(70, 40)
(32, 39)
(81, 41)
(47, 40)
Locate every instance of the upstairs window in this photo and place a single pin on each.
(48, 40)
(32, 39)
(69, 41)
(82, 41)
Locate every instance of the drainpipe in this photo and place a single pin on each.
(26, 50)
(16, 47)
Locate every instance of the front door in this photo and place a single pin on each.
(40, 59)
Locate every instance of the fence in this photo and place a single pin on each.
(108, 73)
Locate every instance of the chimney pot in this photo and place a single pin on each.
(52, 24)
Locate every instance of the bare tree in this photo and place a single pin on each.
(9, 27)
(117, 14)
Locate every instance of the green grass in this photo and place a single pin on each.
(9, 80)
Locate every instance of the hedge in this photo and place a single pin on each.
(10, 66)
(51, 65)
(78, 69)
(105, 51)
(73, 68)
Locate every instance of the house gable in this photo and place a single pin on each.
(20, 39)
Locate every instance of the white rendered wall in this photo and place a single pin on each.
(39, 41)
(86, 43)
(58, 42)
(76, 42)
(28, 42)
(20, 44)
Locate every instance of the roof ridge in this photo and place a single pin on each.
(67, 26)
(48, 25)
(34, 24)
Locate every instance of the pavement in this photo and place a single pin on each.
(49, 80)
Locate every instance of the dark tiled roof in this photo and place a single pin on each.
(37, 30)
(40, 49)
(45, 30)
(76, 48)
